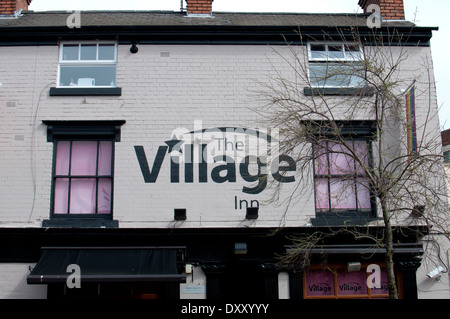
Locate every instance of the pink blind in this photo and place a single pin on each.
(339, 180)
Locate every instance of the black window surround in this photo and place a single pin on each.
(81, 131)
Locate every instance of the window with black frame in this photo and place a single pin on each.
(340, 166)
(83, 178)
(83, 168)
(340, 181)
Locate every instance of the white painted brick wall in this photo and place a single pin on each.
(163, 88)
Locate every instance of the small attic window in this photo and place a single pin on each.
(335, 65)
(90, 64)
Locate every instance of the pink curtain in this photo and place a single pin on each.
(104, 158)
(62, 158)
(104, 196)
(322, 195)
(61, 195)
(85, 191)
(345, 192)
(84, 158)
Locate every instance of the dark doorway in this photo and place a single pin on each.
(243, 281)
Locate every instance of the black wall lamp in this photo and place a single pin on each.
(417, 211)
(134, 49)
(252, 213)
(179, 213)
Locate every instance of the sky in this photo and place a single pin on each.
(423, 13)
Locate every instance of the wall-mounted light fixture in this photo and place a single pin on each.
(134, 49)
(417, 211)
(436, 273)
(179, 213)
(353, 266)
(252, 213)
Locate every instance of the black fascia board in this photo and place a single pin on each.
(251, 35)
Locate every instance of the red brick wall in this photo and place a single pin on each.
(9, 6)
(199, 6)
(390, 9)
(445, 137)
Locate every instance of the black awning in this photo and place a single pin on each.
(102, 264)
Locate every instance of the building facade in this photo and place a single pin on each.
(130, 148)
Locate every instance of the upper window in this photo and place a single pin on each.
(335, 65)
(341, 184)
(87, 64)
(447, 157)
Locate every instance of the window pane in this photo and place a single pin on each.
(70, 52)
(62, 158)
(352, 52)
(351, 283)
(104, 158)
(106, 51)
(319, 283)
(363, 194)
(104, 196)
(335, 52)
(84, 158)
(340, 162)
(447, 157)
(342, 193)
(61, 195)
(88, 52)
(317, 74)
(362, 152)
(85, 76)
(318, 51)
(339, 75)
(336, 75)
(82, 196)
(322, 195)
(356, 81)
(321, 159)
(352, 48)
(327, 74)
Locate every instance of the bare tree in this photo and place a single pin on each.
(395, 170)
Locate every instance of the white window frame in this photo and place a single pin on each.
(80, 62)
(327, 59)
